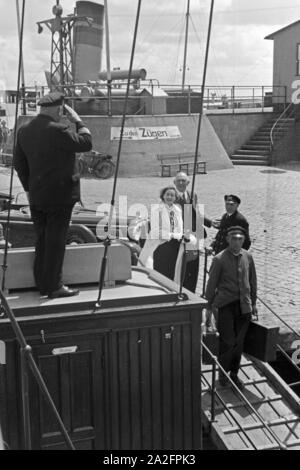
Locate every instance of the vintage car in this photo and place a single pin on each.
(87, 226)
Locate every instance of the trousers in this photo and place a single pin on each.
(232, 327)
(51, 225)
(191, 274)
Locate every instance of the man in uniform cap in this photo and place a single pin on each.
(44, 160)
(232, 217)
(231, 289)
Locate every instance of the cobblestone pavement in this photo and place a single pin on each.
(270, 201)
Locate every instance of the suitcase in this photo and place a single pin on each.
(211, 341)
(261, 341)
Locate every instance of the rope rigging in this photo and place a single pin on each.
(107, 242)
(20, 68)
(180, 296)
(25, 349)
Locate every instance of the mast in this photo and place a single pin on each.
(202, 92)
(107, 242)
(22, 62)
(62, 73)
(108, 69)
(187, 20)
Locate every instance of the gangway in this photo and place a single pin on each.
(265, 416)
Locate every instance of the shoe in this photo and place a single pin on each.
(63, 291)
(223, 380)
(237, 381)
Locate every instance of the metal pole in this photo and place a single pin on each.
(4, 264)
(22, 62)
(108, 68)
(204, 272)
(112, 204)
(25, 401)
(200, 393)
(186, 42)
(202, 96)
(213, 391)
(19, 33)
(198, 136)
(61, 57)
(189, 100)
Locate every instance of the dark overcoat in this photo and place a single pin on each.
(45, 160)
(206, 221)
(236, 219)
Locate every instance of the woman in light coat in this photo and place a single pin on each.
(163, 248)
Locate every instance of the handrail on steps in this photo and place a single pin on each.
(275, 125)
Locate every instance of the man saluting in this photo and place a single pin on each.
(44, 160)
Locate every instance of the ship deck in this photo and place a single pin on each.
(144, 288)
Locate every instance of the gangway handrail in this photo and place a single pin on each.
(279, 317)
(281, 445)
(275, 125)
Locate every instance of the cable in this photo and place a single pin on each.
(4, 265)
(26, 350)
(176, 60)
(198, 134)
(107, 242)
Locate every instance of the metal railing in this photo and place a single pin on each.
(277, 126)
(215, 394)
(146, 95)
(283, 352)
(289, 327)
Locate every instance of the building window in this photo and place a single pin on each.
(298, 59)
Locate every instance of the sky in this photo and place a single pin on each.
(238, 55)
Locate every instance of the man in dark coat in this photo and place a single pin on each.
(44, 160)
(231, 218)
(181, 182)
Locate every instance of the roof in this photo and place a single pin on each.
(271, 36)
(153, 91)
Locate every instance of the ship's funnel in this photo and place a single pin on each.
(88, 42)
(136, 74)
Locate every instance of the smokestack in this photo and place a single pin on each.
(88, 42)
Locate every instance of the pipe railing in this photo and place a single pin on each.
(216, 394)
(227, 98)
(276, 126)
(295, 332)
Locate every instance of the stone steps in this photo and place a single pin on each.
(256, 151)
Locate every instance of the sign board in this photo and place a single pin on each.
(146, 133)
(65, 350)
